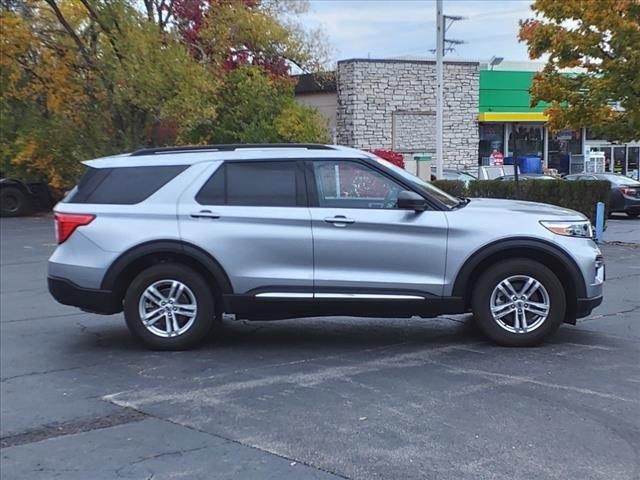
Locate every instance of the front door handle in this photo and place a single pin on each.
(339, 220)
(204, 214)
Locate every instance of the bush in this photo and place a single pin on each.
(452, 187)
(580, 196)
(390, 156)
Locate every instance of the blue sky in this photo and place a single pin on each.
(393, 28)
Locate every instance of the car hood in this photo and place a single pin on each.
(549, 212)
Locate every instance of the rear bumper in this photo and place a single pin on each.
(585, 306)
(631, 204)
(87, 299)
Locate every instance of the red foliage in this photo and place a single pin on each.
(191, 15)
(390, 156)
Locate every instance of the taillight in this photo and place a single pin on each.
(66, 223)
(629, 192)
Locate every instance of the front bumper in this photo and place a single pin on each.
(90, 300)
(584, 306)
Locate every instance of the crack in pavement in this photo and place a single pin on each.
(46, 372)
(604, 315)
(227, 439)
(60, 429)
(118, 471)
(45, 317)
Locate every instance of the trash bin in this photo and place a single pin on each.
(530, 164)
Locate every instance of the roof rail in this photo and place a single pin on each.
(227, 148)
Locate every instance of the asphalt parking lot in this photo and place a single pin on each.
(315, 398)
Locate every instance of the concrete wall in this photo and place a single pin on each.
(391, 104)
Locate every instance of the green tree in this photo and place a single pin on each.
(259, 108)
(86, 78)
(599, 41)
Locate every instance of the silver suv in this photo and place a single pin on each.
(176, 237)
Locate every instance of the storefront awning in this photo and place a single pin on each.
(512, 117)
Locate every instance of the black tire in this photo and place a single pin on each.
(492, 277)
(196, 286)
(13, 202)
(633, 214)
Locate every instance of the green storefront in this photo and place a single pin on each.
(508, 125)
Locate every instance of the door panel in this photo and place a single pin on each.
(257, 246)
(378, 247)
(381, 249)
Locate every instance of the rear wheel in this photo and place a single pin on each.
(633, 214)
(13, 202)
(518, 303)
(169, 307)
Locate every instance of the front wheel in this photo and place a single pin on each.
(518, 303)
(169, 306)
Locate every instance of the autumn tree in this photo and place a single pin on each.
(85, 78)
(592, 75)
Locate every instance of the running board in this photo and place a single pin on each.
(337, 296)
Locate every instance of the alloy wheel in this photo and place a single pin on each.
(168, 308)
(520, 304)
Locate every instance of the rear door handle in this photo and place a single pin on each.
(204, 214)
(339, 220)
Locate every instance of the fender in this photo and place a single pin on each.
(515, 244)
(15, 182)
(167, 246)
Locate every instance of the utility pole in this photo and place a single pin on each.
(439, 88)
(441, 48)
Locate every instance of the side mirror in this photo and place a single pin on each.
(411, 201)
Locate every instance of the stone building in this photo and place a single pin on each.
(391, 104)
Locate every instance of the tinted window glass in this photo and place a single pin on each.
(260, 184)
(123, 185)
(213, 193)
(352, 185)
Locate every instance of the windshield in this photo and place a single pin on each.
(443, 197)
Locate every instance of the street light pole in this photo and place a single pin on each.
(439, 88)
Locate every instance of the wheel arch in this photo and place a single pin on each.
(133, 261)
(545, 252)
(14, 182)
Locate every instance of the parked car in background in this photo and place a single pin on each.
(176, 237)
(459, 175)
(625, 191)
(528, 176)
(18, 198)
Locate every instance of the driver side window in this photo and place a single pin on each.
(347, 184)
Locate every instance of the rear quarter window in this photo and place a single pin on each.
(122, 185)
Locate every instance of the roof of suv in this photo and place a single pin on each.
(206, 153)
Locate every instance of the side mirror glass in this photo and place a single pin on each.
(408, 200)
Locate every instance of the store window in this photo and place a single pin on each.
(633, 163)
(619, 163)
(562, 144)
(491, 139)
(526, 140)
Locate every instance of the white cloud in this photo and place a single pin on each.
(387, 28)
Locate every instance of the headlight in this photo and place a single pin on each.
(579, 228)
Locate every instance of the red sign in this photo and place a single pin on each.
(497, 158)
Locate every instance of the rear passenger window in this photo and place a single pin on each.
(122, 185)
(260, 184)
